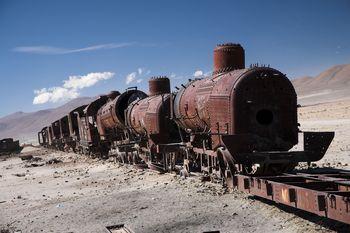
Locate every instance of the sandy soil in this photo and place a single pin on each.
(88, 195)
(334, 116)
(80, 194)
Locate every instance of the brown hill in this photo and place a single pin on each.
(330, 85)
(24, 126)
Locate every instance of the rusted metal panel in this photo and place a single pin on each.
(56, 131)
(159, 85)
(228, 57)
(40, 138)
(120, 228)
(73, 121)
(64, 127)
(238, 144)
(258, 187)
(264, 103)
(186, 107)
(151, 116)
(112, 114)
(50, 137)
(8, 146)
(136, 113)
(259, 101)
(89, 130)
(43, 137)
(151, 121)
(320, 194)
(220, 120)
(338, 206)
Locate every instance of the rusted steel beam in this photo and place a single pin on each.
(326, 195)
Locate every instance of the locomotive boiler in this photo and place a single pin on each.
(150, 119)
(111, 116)
(244, 118)
(112, 127)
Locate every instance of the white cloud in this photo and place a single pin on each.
(57, 50)
(54, 94)
(79, 82)
(198, 73)
(130, 77)
(135, 76)
(176, 77)
(70, 88)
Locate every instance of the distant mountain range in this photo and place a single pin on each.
(330, 85)
(24, 126)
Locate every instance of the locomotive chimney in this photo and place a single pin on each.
(228, 57)
(159, 85)
(113, 94)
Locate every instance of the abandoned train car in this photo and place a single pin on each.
(236, 120)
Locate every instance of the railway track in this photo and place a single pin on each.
(323, 194)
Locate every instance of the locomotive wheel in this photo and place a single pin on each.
(227, 166)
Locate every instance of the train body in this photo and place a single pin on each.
(237, 120)
(9, 146)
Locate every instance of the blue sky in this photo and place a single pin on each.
(101, 43)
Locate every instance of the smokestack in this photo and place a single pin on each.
(113, 94)
(228, 57)
(159, 85)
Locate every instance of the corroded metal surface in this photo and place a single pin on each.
(73, 121)
(151, 116)
(8, 146)
(120, 228)
(159, 85)
(43, 136)
(112, 114)
(228, 57)
(326, 195)
(251, 114)
(237, 122)
(56, 131)
(259, 101)
(64, 127)
(88, 129)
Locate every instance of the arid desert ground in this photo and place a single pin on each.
(79, 194)
(332, 116)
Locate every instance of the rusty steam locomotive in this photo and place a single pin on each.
(237, 120)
